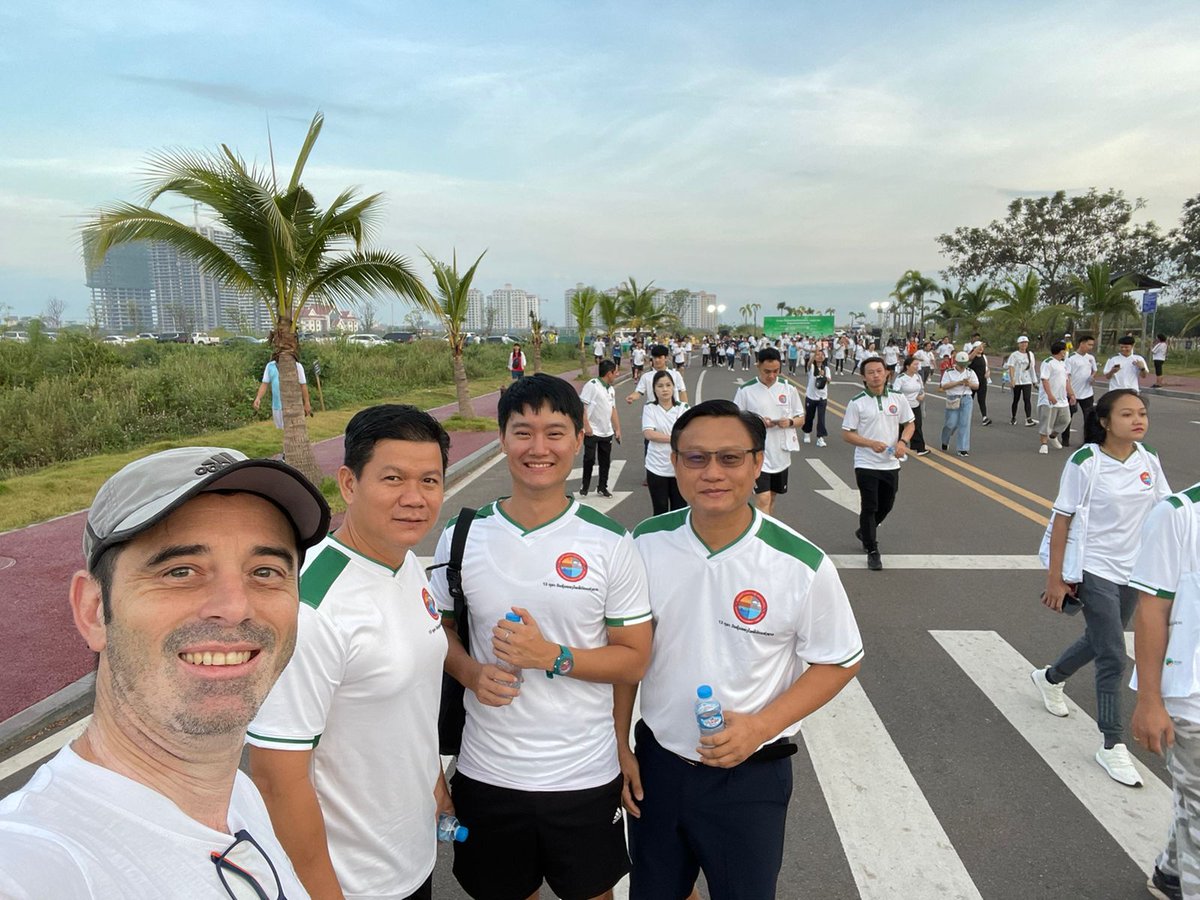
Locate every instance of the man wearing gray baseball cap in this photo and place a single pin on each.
(190, 599)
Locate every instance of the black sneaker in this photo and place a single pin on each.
(874, 563)
(604, 492)
(1012, 421)
(945, 447)
(987, 421)
(583, 492)
(1164, 886)
(963, 453)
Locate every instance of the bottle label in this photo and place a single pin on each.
(712, 722)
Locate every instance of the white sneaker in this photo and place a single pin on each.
(1052, 694)
(1055, 443)
(808, 439)
(1119, 766)
(1044, 448)
(902, 459)
(821, 442)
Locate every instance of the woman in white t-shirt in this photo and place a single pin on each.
(816, 396)
(1021, 366)
(1118, 480)
(912, 386)
(1158, 355)
(658, 418)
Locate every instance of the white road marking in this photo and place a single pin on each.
(699, 386)
(43, 748)
(594, 500)
(1136, 818)
(892, 838)
(941, 561)
(838, 491)
(462, 483)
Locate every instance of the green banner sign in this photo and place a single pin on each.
(774, 326)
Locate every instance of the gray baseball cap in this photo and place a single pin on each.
(149, 489)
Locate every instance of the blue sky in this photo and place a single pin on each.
(797, 152)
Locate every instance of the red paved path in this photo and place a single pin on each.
(41, 649)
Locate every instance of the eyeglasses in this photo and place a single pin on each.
(238, 882)
(726, 459)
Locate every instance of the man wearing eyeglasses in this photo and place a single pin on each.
(190, 600)
(742, 603)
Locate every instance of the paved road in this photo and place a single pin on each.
(937, 773)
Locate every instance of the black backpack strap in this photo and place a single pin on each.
(453, 566)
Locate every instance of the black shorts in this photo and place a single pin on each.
(1158, 364)
(573, 840)
(775, 482)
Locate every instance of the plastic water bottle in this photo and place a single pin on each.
(708, 712)
(448, 829)
(891, 451)
(506, 666)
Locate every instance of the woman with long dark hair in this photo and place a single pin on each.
(816, 396)
(658, 418)
(911, 385)
(1111, 483)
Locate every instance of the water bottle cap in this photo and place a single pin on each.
(704, 692)
(512, 617)
(460, 833)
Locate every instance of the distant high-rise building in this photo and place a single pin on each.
(510, 308)
(476, 312)
(122, 291)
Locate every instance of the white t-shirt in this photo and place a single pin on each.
(1122, 496)
(811, 391)
(911, 386)
(578, 575)
(944, 350)
(638, 356)
(1127, 376)
(78, 830)
(862, 353)
(598, 348)
(959, 384)
(362, 692)
(924, 359)
(658, 454)
(878, 419)
(598, 402)
(1022, 365)
(1159, 351)
(779, 401)
(1166, 567)
(1054, 373)
(744, 619)
(891, 356)
(1081, 367)
(644, 384)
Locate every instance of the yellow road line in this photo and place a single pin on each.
(986, 491)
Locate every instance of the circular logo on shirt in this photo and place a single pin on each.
(893, 408)
(783, 398)
(750, 607)
(430, 606)
(1146, 479)
(571, 567)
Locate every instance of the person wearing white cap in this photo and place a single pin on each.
(190, 599)
(957, 384)
(1020, 365)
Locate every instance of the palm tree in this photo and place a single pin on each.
(609, 309)
(638, 308)
(1104, 298)
(450, 308)
(910, 292)
(754, 308)
(286, 250)
(535, 341)
(745, 311)
(1021, 313)
(966, 307)
(583, 309)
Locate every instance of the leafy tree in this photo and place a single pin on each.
(608, 308)
(671, 306)
(583, 310)
(639, 306)
(1056, 237)
(450, 308)
(1105, 299)
(1022, 312)
(287, 251)
(910, 292)
(965, 308)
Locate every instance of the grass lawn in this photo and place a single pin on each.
(64, 488)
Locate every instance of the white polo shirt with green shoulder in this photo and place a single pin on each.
(744, 619)
(578, 575)
(362, 692)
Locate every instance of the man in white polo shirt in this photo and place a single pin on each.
(345, 747)
(1054, 398)
(538, 782)
(600, 426)
(1166, 718)
(778, 404)
(1081, 369)
(1126, 369)
(748, 606)
(879, 423)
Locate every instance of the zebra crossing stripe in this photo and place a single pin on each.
(1136, 819)
(871, 786)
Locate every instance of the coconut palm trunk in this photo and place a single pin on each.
(461, 389)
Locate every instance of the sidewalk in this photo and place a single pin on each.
(44, 654)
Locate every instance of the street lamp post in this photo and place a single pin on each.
(880, 307)
(717, 308)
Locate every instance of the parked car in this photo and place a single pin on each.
(400, 337)
(21, 337)
(242, 340)
(117, 339)
(203, 337)
(498, 339)
(366, 340)
(173, 337)
(146, 336)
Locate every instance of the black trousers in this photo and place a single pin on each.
(814, 409)
(839, 365)
(592, 447)
(1022, 391)
(917, 444)
(1085, 404)
(877, 490)
(981, 394)
(664, 493)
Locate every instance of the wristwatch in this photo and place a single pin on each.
(564, 664)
